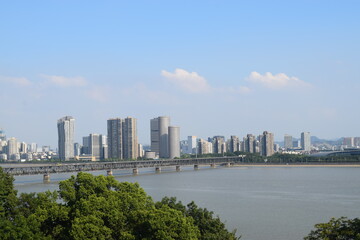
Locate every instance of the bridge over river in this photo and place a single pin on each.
(47, 169)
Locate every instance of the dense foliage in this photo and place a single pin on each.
(89, 207)
(336, 229)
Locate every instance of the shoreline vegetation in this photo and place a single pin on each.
(100, 207)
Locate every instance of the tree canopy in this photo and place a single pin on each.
(336, 229)
(99, 207)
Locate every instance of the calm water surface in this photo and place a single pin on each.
(280, 203)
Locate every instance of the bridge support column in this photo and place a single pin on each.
(158, 169)
(109, 172)
(178, 168)
(46, 178)
(135, 171)
(212, 165)
(196, 167)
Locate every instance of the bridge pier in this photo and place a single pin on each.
(135, 171)
(196, 167)
(46, 178)
(109, 172)
(212, 165)
(158, 169)
(178, 168)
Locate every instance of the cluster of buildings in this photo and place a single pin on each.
(13, 150)
(121, 141)
(296, 145)
(263, 144)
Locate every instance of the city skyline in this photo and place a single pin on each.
(229, 67)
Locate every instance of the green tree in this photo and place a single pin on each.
(336, 229)
(98, 207)
(210, 227)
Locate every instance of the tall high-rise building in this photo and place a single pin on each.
(32, 147)
(306, 141)
(95, 146)
(130, 141)
(234, 144)
(66, 128)
(122, 142)
(219, 145)
(105, 151)
(115, 145)
(23, 147)
(13, 149)
(159, 136)
(192, 144)
(77, 149)
(249, 143)
(288, 142)
(85, 149)
(267, 144)
(174, 142)
(204, 147)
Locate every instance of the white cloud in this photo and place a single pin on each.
(62, 81)
(20, 82)
(277, 81)
(188, 81)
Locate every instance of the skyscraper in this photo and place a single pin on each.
(288, 142)
(95, 146)
(13, 149)
(192, 144)
(122, 142)
(267, 144)
(66, 128)
(115, 145)
(159, 134)
(249, 143)
(234, 144)
(174, 141)
(130, 141)
(305, 141)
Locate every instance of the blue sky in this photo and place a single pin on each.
(215, 67)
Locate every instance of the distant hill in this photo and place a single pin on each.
(315, 139)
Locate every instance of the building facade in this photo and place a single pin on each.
(159, 136)
(267, 144)
(174, 142)
(66, 129)
(192, 144)
(306, 141)
(122, 141)
(130, 140)
(288, 142)
(115, 138)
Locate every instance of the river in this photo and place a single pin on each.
(280, 203)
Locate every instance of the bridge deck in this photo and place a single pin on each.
(93, 166)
